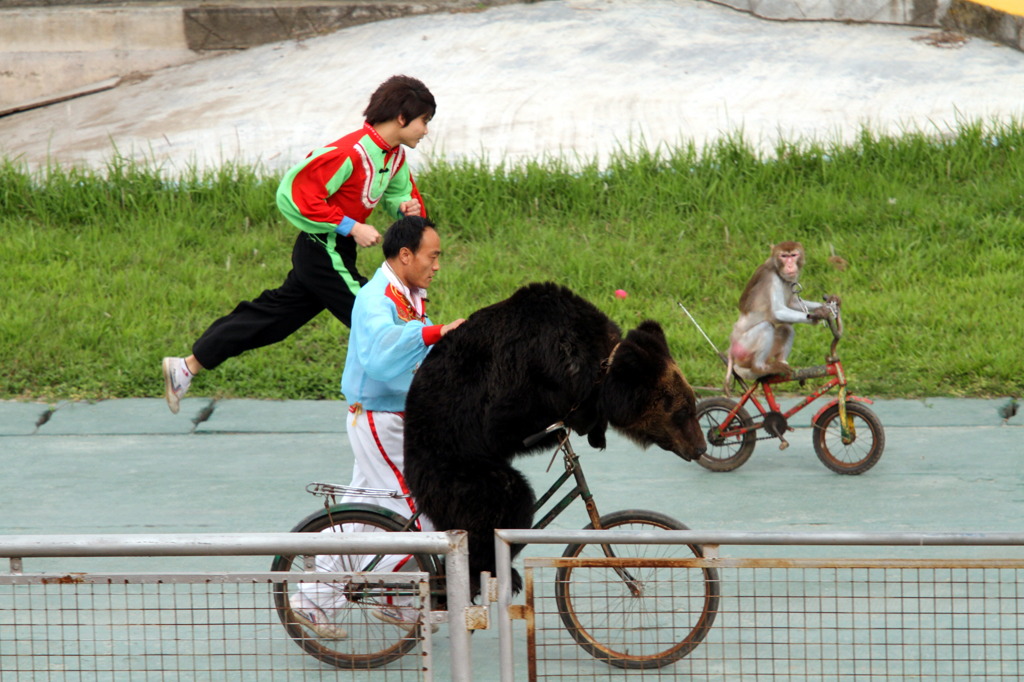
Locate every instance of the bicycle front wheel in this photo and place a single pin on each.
(852, 450)
(354, 635)
(637, 617)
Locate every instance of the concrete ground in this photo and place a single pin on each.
(129, 466)
(574, 78)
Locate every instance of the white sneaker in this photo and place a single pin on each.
(402, 616)
(177, 379)
(308, 614)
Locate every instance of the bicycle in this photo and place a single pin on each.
(590, 624)
(848, 437)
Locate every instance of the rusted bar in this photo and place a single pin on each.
(696, 537)
(815, 372)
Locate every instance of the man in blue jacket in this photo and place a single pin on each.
(391, 335)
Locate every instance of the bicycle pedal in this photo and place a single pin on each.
(783, 444)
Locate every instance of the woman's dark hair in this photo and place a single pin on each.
(400, 96)
(406, 233)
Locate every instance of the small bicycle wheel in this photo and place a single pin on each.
(637, 617)
(858, 449)
(724, 453)
(368, 640)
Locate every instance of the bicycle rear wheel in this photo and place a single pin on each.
(650, 618)
(355, 608)
(724, 453)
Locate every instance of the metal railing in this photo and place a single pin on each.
(949, 606)
(217, 625)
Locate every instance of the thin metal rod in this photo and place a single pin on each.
(699, 327)
(210, 544)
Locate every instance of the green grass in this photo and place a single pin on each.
(105, 272)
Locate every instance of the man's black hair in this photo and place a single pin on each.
(407, 233)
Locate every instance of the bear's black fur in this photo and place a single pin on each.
(510, 371)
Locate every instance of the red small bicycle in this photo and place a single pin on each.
(848, 436)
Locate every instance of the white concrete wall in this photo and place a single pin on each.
(46, 51)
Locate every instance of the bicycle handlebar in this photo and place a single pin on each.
(835, 323)
(537, 437)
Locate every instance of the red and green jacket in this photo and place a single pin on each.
(340, 184)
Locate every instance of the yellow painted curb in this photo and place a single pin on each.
(1009, 6)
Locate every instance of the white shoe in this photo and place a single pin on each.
(402, 616)
(307, 614)
(177, 379)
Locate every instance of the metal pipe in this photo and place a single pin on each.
(692, 537)
(503, 572)
(209, 544)
(457, 589)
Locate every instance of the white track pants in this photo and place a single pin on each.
(377, 440)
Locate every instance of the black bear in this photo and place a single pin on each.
(511, 370)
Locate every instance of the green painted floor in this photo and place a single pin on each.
(129, 466)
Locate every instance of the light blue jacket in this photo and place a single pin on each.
(386, 345)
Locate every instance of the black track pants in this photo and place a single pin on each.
(321, 277)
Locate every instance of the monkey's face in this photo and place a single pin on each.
(788, 264)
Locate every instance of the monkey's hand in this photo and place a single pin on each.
(833, 301)
(822, 313)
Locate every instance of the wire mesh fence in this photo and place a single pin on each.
(295, 621)
(187, 627)
(786, 619)
(658, 612)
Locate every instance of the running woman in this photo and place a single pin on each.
(328, 197)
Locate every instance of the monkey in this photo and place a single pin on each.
(770, 305)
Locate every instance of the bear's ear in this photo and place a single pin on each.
(642, 354)
(655, 334)
(632, 377)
